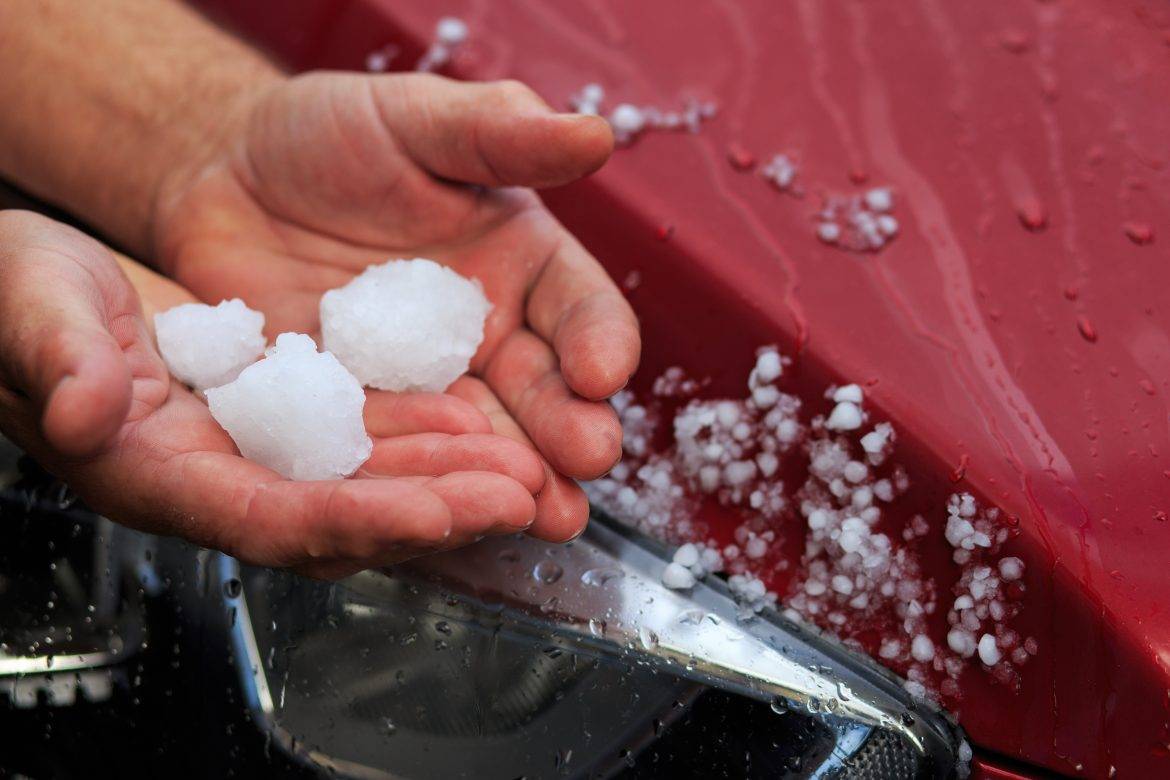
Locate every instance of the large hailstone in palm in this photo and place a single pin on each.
(208, 346)
(297, 411)
(405, 325)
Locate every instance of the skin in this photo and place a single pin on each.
(239, 181)
(86, 392)
(299, 201)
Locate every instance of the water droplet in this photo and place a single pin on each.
(599, 577)
(232, 588)
(547, 572)
(1032, 215)
(1088, 331)
(443, 627)
(597, 627)
(813, 705)
(1015, 41)
(960, 471)
(509, 555)
(648, 638)
(1139, 232)
(691, 617)
(388, 728)
(740, 157)
(779, 705)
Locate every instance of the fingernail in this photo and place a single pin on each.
(577, 535)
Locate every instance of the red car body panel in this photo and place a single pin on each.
(1017, 332)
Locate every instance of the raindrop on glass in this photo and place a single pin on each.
(599, 577)
(547, 572)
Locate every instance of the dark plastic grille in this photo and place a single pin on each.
(883, 757)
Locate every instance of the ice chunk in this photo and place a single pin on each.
(1011, 568)
(297, 411)
(451, 31)
(208, 346)
(829, 232)
(780, 170)
(988, 652)
(769, 367)
(405, 325)
(887, 225)
(879, 199)
(962, 642)
(627, 120)
(852, 393)
(677, 577)
(922, 649)
(687, 555)
(588, 100)
(846, 416)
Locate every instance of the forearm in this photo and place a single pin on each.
(104, 99)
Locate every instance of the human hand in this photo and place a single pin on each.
(326, 173)
(84, 391)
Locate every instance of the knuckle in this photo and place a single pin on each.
(514, 91)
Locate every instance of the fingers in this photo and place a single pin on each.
(291, 522)
(433, 454)
(577, 308)
(62, 298)
(394, 414)
(483, 502)
(561, 507)
(494, 134)
(581, 439)
(333, 529)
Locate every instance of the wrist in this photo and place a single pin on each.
(115, 96)
(212, 127)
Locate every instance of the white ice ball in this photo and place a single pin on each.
(627, 119)
(297, 411)
(405, 325)
(451, 31)
(208, 346)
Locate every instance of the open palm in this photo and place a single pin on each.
(328, 173)
(83, 389)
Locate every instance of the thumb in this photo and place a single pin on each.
(61, 299)
(495, 134)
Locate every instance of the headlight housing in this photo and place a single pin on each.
(537, 659)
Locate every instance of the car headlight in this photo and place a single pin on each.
(538, 659)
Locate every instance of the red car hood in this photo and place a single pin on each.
(1017, 331)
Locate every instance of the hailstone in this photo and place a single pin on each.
(297, 411)
(207, 346)
(405, 325)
